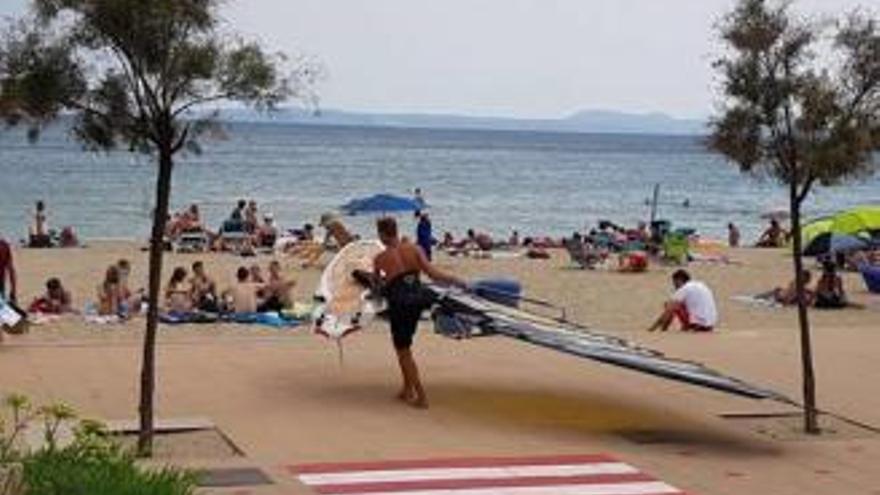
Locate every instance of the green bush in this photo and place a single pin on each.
(94, 465)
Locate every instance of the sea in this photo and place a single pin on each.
(493, 181)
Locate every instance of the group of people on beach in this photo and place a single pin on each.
(243, 231)
(250, 293)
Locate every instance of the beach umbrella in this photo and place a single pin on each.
(815, 228)
(381, 203)
(861, 219)
(832, 242)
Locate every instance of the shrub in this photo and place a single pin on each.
(92, 464)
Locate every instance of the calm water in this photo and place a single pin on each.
(493, 181)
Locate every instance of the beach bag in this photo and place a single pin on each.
(12, 319)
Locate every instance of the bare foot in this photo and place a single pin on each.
(419, 403)
(404, 395)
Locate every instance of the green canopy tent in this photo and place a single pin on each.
(815, 228)
(857, 220)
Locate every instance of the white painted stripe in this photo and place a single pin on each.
(646, 488)
(489, 473)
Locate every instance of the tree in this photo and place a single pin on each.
(802, 108)
(140, 74)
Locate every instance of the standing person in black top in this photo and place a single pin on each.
(398, 268)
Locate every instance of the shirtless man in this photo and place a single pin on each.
(398, 267)
(242, 295)
(278, 287)
(203, 290)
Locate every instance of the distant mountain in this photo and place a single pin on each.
(588, 121)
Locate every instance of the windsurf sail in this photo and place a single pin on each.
(469, 310)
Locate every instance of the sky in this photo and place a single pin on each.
(513, 58)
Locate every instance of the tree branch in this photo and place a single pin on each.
(805, 189)
(200, 101)
(181, 140)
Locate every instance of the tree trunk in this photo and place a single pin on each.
(148, 364)
(811, 424)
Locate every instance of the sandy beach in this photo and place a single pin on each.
(283, 397)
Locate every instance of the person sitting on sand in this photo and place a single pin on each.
(692, 303)
(111, 300)
(251, 217)
(203, 290)
(787, 296)
(479, 240)
(242, 297)
(277, 291)
(398, 268)
(256, 274)
(337, 235)
(55, 301)
(267, 233)
(131, 300)
(632, 262)
(829, 292)
(773, 237)
(177, 296)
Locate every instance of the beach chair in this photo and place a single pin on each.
(233, 236)
(871, 274)
(675, 248)
(195, 241)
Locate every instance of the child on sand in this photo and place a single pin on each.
(55, 301)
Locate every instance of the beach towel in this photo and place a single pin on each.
(180, 318)
(763, 302)
(269, 319)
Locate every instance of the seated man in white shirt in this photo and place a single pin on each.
(692, 304)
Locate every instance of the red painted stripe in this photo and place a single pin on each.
(465, 462)
(461, 484)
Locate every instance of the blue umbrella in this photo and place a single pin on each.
(382, 203)
(828, 243)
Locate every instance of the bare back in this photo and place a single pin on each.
(395, 261)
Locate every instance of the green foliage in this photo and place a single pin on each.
(93, 465)
(138, 73)
(789, 113)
